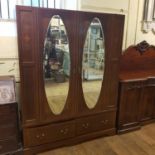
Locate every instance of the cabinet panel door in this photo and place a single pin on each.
(129, 102)
(147, 103)
(69, 20)
(108, 94)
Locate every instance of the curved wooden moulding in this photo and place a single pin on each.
(138, 62)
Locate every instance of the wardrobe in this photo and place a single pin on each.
(87, 107)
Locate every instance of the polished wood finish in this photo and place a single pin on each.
(139, 142)
(42, 129)
(137, 87)
(9, 130)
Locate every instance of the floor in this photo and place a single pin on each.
(140, 142)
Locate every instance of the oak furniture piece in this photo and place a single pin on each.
(44, 126)
(137, 87)
(10, 142)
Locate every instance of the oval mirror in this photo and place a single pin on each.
(56, 65)
(93, 63)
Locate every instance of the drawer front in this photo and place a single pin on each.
(50, 133)
(132, 85)
(8, 145)
(8, 119)
(7, 109)
(102, 121)
(8, 114)
(8, 131)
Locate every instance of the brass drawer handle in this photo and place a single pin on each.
(85, 125)
(104, 121)
(43, 134)
(133, 87)
(37, 136)
(65, 131)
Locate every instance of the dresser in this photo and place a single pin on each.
(10, 142)
(9, 130)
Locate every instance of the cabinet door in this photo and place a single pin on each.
(107, 91)
(147, 103)
(129, 102)
(57, 55)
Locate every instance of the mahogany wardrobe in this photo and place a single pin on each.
(69, 64)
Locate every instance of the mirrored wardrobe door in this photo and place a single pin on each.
(93, 63)
(58, 80)
(56, 65)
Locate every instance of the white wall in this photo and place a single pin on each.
(111, 6)
(9, 64)
(140, 36)
(133, 11)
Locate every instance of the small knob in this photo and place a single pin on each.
(43, 134)
(37, 136)
(104, 121)
(66, 130)
(85, 125)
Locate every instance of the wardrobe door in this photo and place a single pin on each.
(147, 101)
(129, 103)
(57, 61)
(100, 43)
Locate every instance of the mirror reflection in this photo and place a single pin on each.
(93, 63)
(56, 65)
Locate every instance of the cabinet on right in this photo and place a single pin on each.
(136, 99)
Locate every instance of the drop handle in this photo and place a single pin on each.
(65, 131)
(104, 121)
(37, 136)
(85, 125)
(43, 134)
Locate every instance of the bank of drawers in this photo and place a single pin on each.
(9, 139)
(60, 131)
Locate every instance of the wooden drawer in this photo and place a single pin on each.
(8, 145)
(8, 119)
(50, 133)
(8, 109)
(102, 121)
(8, 131)
(132, 85)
